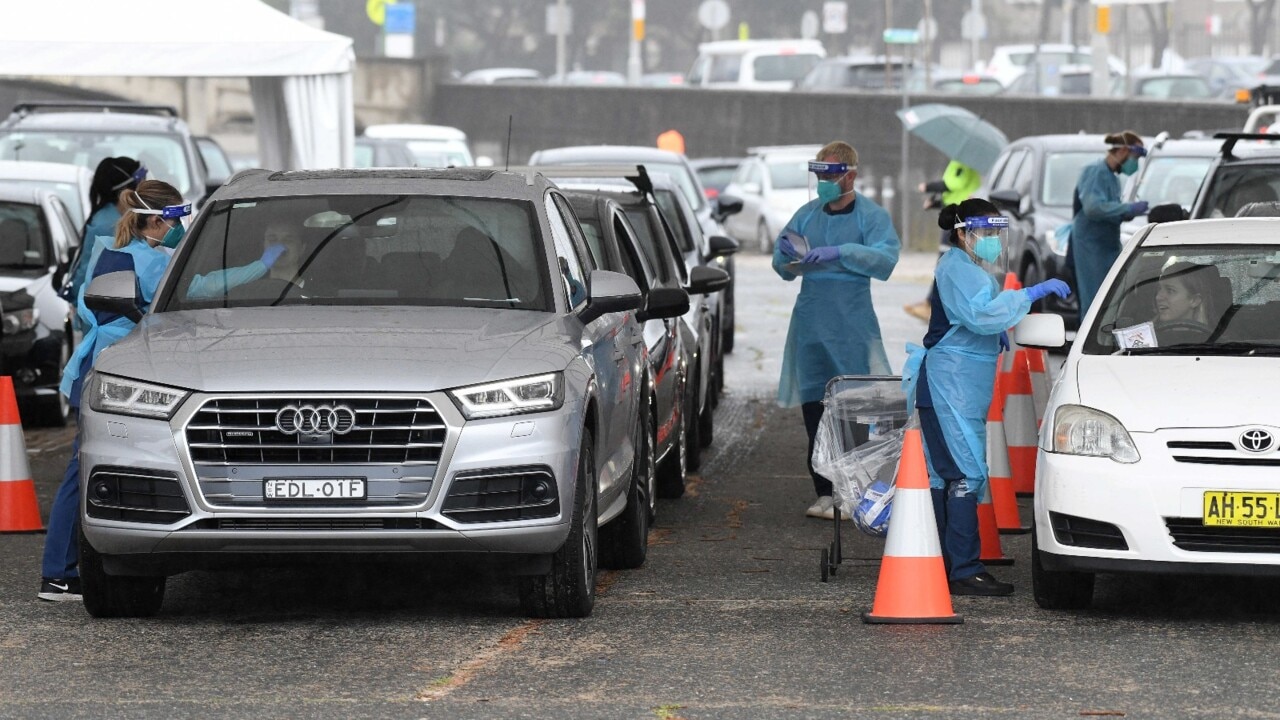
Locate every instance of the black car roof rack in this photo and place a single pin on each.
(28, 108)
(1231, 138)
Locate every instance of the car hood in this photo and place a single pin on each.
(302, 349)
(1152, 393)
(12, 283)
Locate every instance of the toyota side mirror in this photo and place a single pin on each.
(704, 280)
(1045, 331)
(664, 302)
(722, 246)
(114, 293)
(611, 292)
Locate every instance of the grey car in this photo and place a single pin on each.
(430, 367)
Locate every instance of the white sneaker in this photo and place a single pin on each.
(822, 508)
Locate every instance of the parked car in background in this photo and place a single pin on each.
(83, 133)
(1245, 171)
(216, 162)
(70, 183)
(434, 146)
(1172, 172)
(502, 76)
(37, 237)
(1170, 86)
(710, 213)
(714, 174)
(949, 82)
(662, 79)
(1158, 452)
(754, 64)
(1009, 62)
(664, 388)
(1033, 183)
(588, 77)
(436, 371)
(1228, 75)
(1069, 80)
(383, 152)
(1270, 75)
(773, 182)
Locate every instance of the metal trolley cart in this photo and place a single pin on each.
(855, 439)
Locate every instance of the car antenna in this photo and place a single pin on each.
(507, 161)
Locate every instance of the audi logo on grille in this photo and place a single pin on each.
(315, 419)
(1256, 440)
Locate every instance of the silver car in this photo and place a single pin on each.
(427, 367)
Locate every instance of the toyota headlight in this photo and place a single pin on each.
(110, 394)
(20, 320)
(511, 397)
(1078, 430)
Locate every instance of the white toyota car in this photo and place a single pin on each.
(1158, 451)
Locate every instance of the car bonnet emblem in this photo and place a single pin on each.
(1256, 440)
(315, 419)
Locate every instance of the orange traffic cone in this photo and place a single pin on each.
(912, 588)
(19, 511)
(999, 476)
(990, 552)
(1020, 431)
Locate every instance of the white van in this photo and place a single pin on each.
(754, 64)
(431, 145)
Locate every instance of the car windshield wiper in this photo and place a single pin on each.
(1228, 348)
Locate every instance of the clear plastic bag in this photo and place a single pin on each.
(858, 444)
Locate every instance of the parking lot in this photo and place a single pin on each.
(727, 618)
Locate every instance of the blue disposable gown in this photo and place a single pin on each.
(960, 369)
(834, 330)
(148, 265)
(101, 224)
(1095, 229)
(219, 282)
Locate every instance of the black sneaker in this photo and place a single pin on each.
(59, 589)
(984, 583)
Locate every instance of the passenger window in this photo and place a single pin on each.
(1022, 181)
(725, 68)
(1011, 170)
(633, 263)
(570, 264)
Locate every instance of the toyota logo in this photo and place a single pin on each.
(1256, 440)
(315, 420)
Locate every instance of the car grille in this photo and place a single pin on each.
(234, 431)
(1082, 532)
(135, 495)
(1192, 534)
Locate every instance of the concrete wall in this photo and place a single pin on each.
(728, 122)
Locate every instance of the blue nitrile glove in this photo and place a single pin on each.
(272, 254)
(784, 244)
(1053, 286)
(1004, 340)
(827, 253)
(1139, 208)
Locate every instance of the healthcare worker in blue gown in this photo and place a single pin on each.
(112, 177)
(952, 379)
(1097, 214)
(834, 330)
(152, 223)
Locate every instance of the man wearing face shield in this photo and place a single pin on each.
(952, 378)
(1097, 213)
(838, 242)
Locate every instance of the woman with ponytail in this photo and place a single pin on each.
(151, 218)
(952, 379)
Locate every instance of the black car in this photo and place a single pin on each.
(1245, 172)
(614, 245)
(36, 237)
(1033, 183)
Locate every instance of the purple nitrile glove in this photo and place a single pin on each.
(1139, 208)
(784, 244)
(1053, 286)
(1004, 340)
(272, 254)
(824, 254)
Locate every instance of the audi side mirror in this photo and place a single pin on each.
(664, 302)
(114, 293)
(610, 292)
(704, 280)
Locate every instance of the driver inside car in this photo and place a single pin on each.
(282, 250)
(1184, 301)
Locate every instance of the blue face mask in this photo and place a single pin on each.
(988, 248)
(1130, 166)
(828, 190)
(174, 236)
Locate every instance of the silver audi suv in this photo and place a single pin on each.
(370, 362)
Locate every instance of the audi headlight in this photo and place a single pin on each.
(20, 320)
(122, 396)
(511, 397)
(1078, 430)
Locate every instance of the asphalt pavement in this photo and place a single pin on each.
(727, 619)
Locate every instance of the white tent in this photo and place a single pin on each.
(300, 77)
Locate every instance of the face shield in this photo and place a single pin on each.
(175, 216)
(132, 181)
(824, 179)
(986, 239)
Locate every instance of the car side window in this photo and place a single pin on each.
(570, 264)
(1011, 169)
(995, 171)
(1022, 181)
(636, 264)
(753, 173)
(576, 234)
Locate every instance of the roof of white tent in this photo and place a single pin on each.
(170, 38)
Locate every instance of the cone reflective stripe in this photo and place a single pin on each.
(1020, 429)
(913, 586)
(1039, 382)
(19, 510)
(999, 476)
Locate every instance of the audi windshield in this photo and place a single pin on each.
(363, 250)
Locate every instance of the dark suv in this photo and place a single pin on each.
(1246, 172)
(83, 133)
(1033, 182)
